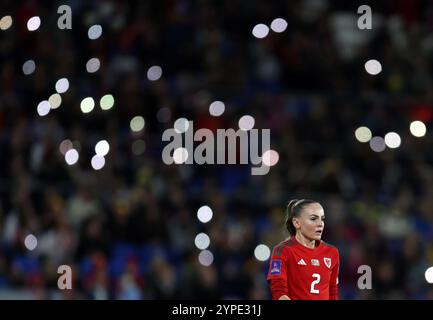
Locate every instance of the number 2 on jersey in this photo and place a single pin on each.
(316, 276)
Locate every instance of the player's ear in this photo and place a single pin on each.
(296, 222)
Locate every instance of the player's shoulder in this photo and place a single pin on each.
(330, 247)
(282, 246)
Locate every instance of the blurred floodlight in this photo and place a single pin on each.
(205, 258)
(94, 32)
(246, 123)
(180, 155)
(102, 148)
(363, 134)
(373, 67)
(106, 102)
(217, 108)
(377, 144)
(154, 73)
(93, 65)
(181, 125)
(262, 252)
(55, 100)
(87, 105)
(270, 158)
(71, 157)
(33, 23)
(418, 129)
(30, 242)
(204, 214)
(137, 124)
(62, 85)
(29, 67)
(202, 241)
(279, 25)
(392, 140)
(260, 30)
(97, 162)
(43, 108)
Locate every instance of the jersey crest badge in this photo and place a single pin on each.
(327, 262)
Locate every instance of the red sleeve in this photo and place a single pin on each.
(277, 274)
(333, 286)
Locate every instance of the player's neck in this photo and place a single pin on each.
(305, 242)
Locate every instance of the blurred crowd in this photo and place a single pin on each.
(128, 230)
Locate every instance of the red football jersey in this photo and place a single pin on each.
(303, 273)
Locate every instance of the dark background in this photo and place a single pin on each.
(128, 230)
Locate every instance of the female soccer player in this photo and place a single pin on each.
(304, 267)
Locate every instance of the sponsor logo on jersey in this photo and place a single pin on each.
(275, 268)
(302, 262)
(327, 262)
(315, 262)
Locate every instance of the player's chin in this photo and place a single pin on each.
(317, 236)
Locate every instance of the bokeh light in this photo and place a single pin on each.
(102, 148)
(246, 122)
(55, 100)
(373, 67)
(216, 108)
(34, 23)
(106, 102)
(279, 25)
(94, 32)
(418, 129)
(260, 31)
(270, 158)
(29, 67)
(204, 214)
(377, 144)
(30, 242)
(65, 145)
(71, 156)
(202, 241)
(429, 275)
(87, 105)
(62, 85)
(43, 108)
(97, 162)
(392, 140)
(205, 258)
(5, 22)
(180, 155)
(181, 125)
(154, 73)
(93, 65)
(262, 252)
(137, 124)
(363, 134)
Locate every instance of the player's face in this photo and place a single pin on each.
(312, 221)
